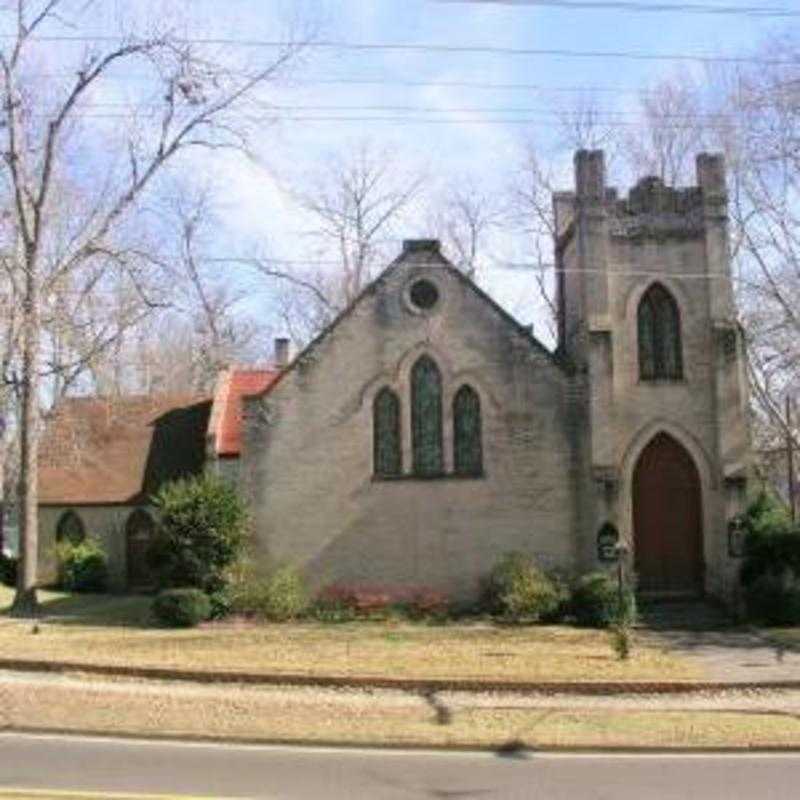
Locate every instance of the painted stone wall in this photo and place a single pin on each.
(106, 523)
(612, 251)
(307, 460)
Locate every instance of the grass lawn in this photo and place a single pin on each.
(786, 637)
(112, 630)
(309, 716)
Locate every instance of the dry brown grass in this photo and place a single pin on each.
(783, 637)
(270, 715)
(377, 649)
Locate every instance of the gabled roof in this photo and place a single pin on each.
(225, 425)
(416, 253)
(99, 450)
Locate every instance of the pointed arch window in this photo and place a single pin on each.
(659, 329)
(426, 417)
(70, 528)
(467, 445)
(386, 433)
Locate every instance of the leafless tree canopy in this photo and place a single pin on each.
(74, 191)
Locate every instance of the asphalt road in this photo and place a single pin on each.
(108, 766)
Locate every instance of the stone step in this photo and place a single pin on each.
(676, 614)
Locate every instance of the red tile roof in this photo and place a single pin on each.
(226, 423)
(102, 450)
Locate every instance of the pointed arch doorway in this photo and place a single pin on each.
(667, 519)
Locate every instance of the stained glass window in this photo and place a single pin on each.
(386, 432)
(659, 328)
(426, 417)
(468, 452)
(70, 528)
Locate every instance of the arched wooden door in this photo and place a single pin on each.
(667, 519)
(139, 531)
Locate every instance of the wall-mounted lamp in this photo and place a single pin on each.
(736, 537)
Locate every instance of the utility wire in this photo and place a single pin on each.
(526, 266)
(439, 48)
(630, 5)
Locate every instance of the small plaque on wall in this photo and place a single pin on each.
(607, 538)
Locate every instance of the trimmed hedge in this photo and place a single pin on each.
(181, 608)
(596, 603)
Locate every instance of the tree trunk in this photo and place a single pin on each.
(25, 601)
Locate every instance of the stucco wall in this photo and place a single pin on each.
(106, 523)
(308, 449)
(613, 256)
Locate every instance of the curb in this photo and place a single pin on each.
(420, 685)
(505, 750)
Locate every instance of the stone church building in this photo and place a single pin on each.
(425, 432)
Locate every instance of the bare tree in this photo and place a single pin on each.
(353, 203)
(531, 197)
(198, 104)
(465, 219)
(671, 132)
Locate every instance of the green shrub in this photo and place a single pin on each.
(279, 595)
(622, 641)
(82, 567)
(770, 571)
(774, 598)
(518, 589)
(8, 570)
(596, 604)
(181, 608)
(200, 533)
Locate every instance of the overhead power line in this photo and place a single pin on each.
(522, 266)
(442, 48)
(631, 5)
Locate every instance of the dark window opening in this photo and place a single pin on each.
(70, 528)
(386, 433)
(659, 329)
(424, 295)
(467, 446)
(426, 417)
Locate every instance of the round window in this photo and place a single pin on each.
(424, 295)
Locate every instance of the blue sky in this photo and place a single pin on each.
(256, 212)
(487, 151)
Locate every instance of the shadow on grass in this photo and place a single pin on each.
(131, 611)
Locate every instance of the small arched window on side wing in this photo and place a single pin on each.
(70, 528)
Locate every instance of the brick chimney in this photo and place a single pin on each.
(281, 352)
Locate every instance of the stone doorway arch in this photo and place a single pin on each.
(667, 519)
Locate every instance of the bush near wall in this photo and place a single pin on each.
(342, 602)
(8, 571)
(770, 572)
(181, 608)
(82, 567)
(200, 534)
(277, 595)
(519, 590)
(596, 603)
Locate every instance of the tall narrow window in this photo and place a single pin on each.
(386, 433)
(467, 448)
(70, 528)
(659, 327)
(426, 417)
